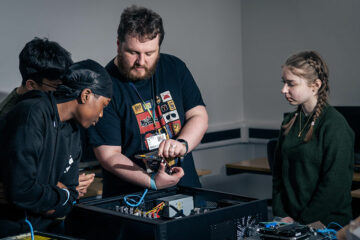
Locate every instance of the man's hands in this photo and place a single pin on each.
(111, 158)
(164, 180)
(84, 182)
(171, 148)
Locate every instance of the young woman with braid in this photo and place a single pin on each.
(314, 157)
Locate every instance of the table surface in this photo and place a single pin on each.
(261, 165)
(257, 164)
(203, 172)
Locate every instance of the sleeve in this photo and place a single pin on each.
(191, 93)
(107, 130)
(336, 173)
(71, 178)
(22, 165)
(277, 199)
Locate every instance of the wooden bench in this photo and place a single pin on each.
(261, 166)
(257, 165)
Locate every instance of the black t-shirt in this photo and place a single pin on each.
(171, 91)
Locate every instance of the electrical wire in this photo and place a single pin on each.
(31, 227)
(334, 223)
(130, 197)
(156, 209)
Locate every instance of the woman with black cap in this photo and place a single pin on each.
(40, 149)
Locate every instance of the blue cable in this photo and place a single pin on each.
(334, 223)
(330, 232)
(31, 227)
(135, 204)
(67, 195)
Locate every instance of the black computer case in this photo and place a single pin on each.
(218, 216)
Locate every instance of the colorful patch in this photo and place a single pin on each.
(166, 96)
(169, 130)
(171, 116)
(171, 105)
(137, 108)
(147, 105)
(175, 126)
(160, 116)
(164, 108)
(145, 122)
(158, 100)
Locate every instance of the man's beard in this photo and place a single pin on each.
(127, 72)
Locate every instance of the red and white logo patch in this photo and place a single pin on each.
(166, 96)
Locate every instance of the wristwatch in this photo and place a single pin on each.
(183, 141)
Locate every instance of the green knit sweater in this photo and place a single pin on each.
(312, 181)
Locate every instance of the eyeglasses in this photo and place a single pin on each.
(49, 85)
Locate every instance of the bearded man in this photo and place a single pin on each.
(156, 106)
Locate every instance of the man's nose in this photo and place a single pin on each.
(141, 60)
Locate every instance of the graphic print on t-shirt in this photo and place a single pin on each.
(138, 108)
(70, 162)
(166, 120)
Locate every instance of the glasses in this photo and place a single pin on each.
(49, 85)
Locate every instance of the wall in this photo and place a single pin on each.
(206, 34)
(196, 31)
(234, 49)
(273, 30)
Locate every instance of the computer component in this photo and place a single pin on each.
(287, 231)
(178, 205)
(202, 214)
(152, 161)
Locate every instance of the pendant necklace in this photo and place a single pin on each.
(302, 129)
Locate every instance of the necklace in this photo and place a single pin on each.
(302, 129)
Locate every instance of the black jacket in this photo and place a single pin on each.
(36, 152)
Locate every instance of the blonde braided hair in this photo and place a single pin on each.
(312, 67)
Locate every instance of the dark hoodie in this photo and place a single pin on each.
(37, 152)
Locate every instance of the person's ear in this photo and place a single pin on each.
(85, 95)
(118, 44)
(31, 85)
(316, 85)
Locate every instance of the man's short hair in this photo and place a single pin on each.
(41, 58)
(141, 23)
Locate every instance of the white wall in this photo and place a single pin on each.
(273, 30)
(233, 48)
(206, 34)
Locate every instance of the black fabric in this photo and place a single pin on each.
(37, 152)
(81, 75)
(125, 122)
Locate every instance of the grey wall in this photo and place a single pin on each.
(196, 31)
(234, 48)
(273, 30)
